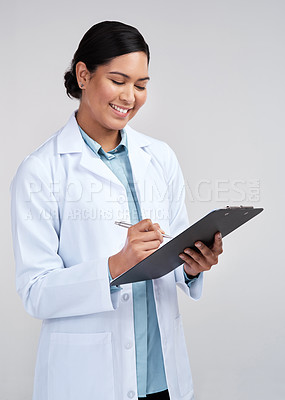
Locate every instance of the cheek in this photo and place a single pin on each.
(141, 99)
(107, 94)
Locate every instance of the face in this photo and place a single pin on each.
(114, 93)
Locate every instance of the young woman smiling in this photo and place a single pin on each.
(97, 341)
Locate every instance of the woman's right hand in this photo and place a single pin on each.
(142, 240)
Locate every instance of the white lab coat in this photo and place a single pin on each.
(64, 204)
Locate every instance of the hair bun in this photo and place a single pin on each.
(71, 85)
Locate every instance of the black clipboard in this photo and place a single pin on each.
(166, 258)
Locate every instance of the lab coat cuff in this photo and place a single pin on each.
(113, 288)
(196, 285)
(188, 280)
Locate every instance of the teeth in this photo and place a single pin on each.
(121, 110)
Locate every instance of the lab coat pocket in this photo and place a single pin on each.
(80, 366)
(181, 357)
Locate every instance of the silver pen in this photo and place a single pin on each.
(127, 225)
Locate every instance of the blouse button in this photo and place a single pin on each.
(131, 394)
(125, 297)
(128, 345)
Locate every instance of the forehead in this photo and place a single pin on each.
(132, 64)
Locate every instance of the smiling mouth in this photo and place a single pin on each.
(120, 109)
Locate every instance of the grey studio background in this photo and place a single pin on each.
(217, 97)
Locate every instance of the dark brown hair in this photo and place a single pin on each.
(100, 44)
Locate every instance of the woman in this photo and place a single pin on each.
(99, 342)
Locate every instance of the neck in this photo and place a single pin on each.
(107, 138)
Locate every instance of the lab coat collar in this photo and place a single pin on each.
(69, 140)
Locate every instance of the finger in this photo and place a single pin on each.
(157, 226)
(205, 250)
(190, 266)
(205, 261)
(136, 238)
(154, 227)
(217, 247)
(148, 253)
(143, 225)
(152, 245)
(143, 254)
(146, 225)
(151, 235)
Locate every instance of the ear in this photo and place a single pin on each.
(82, 74)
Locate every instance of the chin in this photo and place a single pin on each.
(118, 125)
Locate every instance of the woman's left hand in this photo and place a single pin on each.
(195, 262)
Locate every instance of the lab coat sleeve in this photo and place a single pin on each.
(179, 219)
(47, 288)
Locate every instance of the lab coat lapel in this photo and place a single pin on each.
(93, 163)
(139, 160)
(70, 141)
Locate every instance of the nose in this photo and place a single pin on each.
(127, 94)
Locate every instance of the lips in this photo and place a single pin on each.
(121, 110)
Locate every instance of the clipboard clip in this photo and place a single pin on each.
(235, 207)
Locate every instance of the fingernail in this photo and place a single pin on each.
(198, 244)
(181, 256)
(220, 236)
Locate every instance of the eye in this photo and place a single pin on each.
(140, 87)
(116, 82)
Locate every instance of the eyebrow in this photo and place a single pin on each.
(147, 78)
